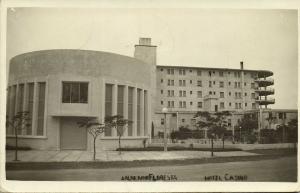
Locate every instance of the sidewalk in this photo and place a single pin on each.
(109, 156)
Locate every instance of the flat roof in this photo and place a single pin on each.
(261, 72)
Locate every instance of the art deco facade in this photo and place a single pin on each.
(60, 87)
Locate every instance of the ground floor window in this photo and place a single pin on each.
(27, 97)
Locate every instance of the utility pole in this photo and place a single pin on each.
(165, 110)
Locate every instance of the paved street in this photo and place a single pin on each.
(281, 169)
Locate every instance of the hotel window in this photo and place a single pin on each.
(245, 84)
(191, 103)
(181, 71)
(210, 92)
(182, 120)
(230, 104)
(199, 94)
(182, 104)
(161, 69)
(239, 74)
(240, 95)
(222, 106)
(236, 106)
(239, 85)
(253, 106)
(229, 83)
(130, 110)
(161, 80)
(221, 94)
(198, 72)
(191, 92)
(170, 104)
(253, 95)
(181, 82)
(240, 105)
(214, 92)
(199, 83)
(214, 82)
(199, 104)
(235, 84)
(221, 84)
(170, 71)
(236, 95)
(209, 73)
(191, 82)
(162, 121)
(246, 104)
(229, 93)
(161, 92)
(191, 71)
(161, 102)
(75, 92)
(253, 85)
(209, 84)
(245, 94)
(235, 74)
(221, 74)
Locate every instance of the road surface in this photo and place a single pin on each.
(278, 170)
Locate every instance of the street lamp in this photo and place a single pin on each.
(165, 110)
(240, 134)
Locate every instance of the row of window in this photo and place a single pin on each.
(236, 74)
(140, 112)
(21, 99)
(210, 83)
(182, 104)
(182, 93)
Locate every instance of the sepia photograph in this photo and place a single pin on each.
(151, 94)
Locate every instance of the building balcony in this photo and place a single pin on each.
(264, 73)
(264, 82)
(265, 91)
(265, 101)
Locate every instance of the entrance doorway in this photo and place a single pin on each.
(71, 135)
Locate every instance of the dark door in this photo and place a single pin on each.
(71, 135)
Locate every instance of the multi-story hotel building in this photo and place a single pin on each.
(186, 90)
(60, 87)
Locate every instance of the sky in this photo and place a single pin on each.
(220, 38)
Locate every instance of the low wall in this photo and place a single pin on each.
(34, 143)
(218, 144)
(113, 144)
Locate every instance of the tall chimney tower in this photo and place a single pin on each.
(242, 65)
(146, 52)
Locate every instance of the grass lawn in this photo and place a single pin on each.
(177, 148)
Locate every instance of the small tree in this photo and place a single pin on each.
(118, 122)
(293, 134)
(94, 128)
(248, 125)
(216, 124)
(18, 122)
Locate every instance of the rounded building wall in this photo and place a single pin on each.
(114, 84)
